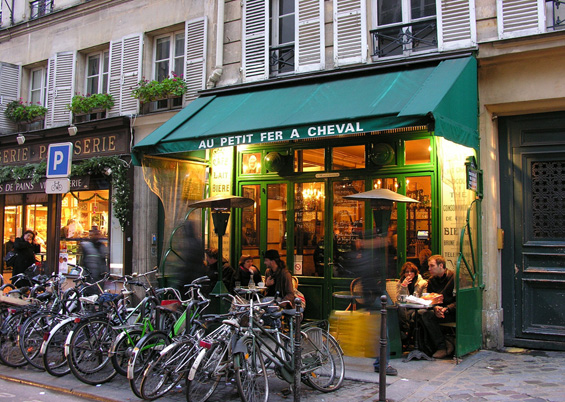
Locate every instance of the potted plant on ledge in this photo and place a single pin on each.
(152, 91)
(90, 107)
(24, 113)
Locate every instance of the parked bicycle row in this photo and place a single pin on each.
(164, 339)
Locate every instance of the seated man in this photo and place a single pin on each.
(441, 281)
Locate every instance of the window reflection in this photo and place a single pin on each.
(250, 223)
(309, 208)
(348, 157)
(309, 160)
(417, 151)
(251, 163)
(348, 225)
(418, 220)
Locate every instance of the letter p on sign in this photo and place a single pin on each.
(59, 159)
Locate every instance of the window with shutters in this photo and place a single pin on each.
(38, 85)
(97, 72)
(404, 27)
(518, 18)
(281, 48)
(169, 61)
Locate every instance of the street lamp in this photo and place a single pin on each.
(220, 206)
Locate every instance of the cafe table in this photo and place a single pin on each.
(416, 353)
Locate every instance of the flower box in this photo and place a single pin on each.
(152, 91)
(20, 112)
(90, 107)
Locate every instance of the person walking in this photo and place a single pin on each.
(24, 247)
(93, 255)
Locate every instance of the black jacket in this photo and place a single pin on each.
(26, 256)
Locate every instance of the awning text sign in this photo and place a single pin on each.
(282, 135)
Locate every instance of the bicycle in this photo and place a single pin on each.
(150, 346)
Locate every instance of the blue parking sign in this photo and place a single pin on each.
(59, 159)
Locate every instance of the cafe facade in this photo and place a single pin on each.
(297, 148)
(62, 219)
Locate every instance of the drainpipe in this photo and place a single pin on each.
(217, 73)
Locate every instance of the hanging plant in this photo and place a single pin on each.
(82, 104)
(149, 91)
(19, 111)
(111, 166)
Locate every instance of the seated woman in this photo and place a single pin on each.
(411, 283)
(246, 270)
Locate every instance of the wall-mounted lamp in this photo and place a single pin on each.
(72, 131)
(21, 139)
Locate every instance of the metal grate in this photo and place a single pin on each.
(548, 199)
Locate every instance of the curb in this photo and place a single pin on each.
(80, 394)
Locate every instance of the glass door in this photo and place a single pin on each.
(263, 224)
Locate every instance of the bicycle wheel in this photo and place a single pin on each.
(250, 373)
(323, 367)
(88, 357)
(122, 348)
(162, 374)
(145, 351)
(204, 375)
(31, 337)
(53, 349)
(10, 352)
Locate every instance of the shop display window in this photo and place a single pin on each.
(309, 160)
(81, 211)
(417, 151)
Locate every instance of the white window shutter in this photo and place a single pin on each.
(10, 75)
(310, 38)
(255, 56)
(350, 32)
(517, 18)
(61, 78)
(195, 66)
(125, 73)
(456, 26)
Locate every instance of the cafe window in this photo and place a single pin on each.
(352, 157)
(309, 215)
(81, 211)
(417, 151)
(348, 226)
(309, 160)
(418, 217)
(251, 163)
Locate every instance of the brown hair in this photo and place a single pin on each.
(439, 260)
(244, 258)
(410, 267)
(212, 253)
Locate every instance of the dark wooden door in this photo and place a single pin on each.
(532, 188)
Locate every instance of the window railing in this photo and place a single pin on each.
(39, 8)
(405, 39)
(555, 10)
(281, 59)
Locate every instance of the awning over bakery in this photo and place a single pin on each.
(445, 94)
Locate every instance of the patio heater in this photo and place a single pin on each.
(382, 201)
(220, 206)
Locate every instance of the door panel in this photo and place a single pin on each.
(533, 216)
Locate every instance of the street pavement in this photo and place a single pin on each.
(509, 375)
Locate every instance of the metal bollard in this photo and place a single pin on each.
(383, 363)
(297, 350)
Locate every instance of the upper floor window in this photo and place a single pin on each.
(97, 72)
(555, 11)
(40, 7)
(169, 55)
(38, 85)
(281, 49)
(404, 27)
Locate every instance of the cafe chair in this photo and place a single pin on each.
(355, 287)
(392, 289)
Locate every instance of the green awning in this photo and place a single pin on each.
(409, 97)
